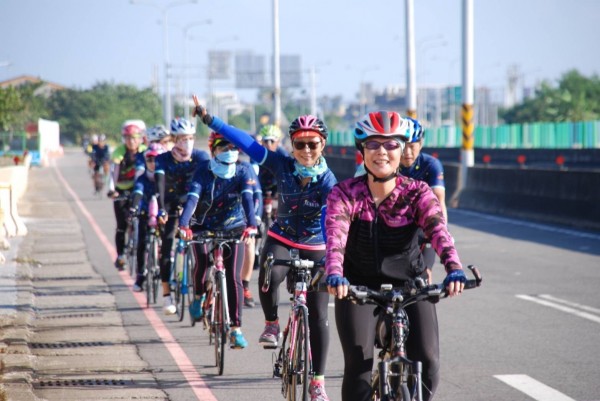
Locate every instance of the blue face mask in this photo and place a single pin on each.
(231, 156)
(223, 165)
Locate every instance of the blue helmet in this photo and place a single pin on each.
(415, 130)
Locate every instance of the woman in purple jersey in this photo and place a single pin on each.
(372, 227)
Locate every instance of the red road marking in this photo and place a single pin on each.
(186, 367)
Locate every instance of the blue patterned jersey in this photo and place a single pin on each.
(220, 204)
(426, 168)
(146, 189)
(177, 176)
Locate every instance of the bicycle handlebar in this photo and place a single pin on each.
(407, 296)
(298, 264)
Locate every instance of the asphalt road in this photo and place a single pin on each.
(531, 332)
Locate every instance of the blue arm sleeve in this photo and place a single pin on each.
(248, 205)
(323, 215)
(241, 139)
(188, 210)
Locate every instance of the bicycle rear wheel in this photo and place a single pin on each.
(221, 324)
(300, 359)
(178, 267)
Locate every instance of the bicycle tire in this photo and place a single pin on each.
(148, 265)
(191, 290)
(300, 360)
(284, 357)
(179, 299)
(221, 318)
(156, 281)
(397, 392)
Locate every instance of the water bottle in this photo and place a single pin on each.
(152, 211)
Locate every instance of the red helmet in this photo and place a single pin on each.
(387, 124)
(214, 138)
(308, 123)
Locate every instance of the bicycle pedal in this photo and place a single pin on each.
(269, 346)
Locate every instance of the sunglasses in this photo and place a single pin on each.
(387, 145)
(149, 159)
(302, 145)
(227, 146)
(269, 140)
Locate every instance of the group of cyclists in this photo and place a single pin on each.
(367, 230)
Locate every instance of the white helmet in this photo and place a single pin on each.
(133, 127)
(181, 126)
(157, 133)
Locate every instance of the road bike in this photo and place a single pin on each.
(152, 263)
(181, 277)
(293, 362)
(396, 377)
(216, 308)
(131, 243)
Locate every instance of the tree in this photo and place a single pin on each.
(102, 109)
(10, 104)
(576, 98)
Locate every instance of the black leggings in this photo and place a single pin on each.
(167, 238)
(121, 208)
(317, 302)
(356, 329)
(233, 259)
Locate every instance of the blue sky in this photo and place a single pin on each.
(80, 42)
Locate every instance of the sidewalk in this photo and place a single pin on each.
(58, 289)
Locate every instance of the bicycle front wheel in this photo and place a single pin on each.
(391, 389)
(300, 364)
(148, 266)
(191, 282)
(220, 323)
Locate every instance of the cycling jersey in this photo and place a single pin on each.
(426, 168)
(220, 204)
(372, 245)
(173, 177)
(100, 155)
(143, 189)
(299, 207)
(125, 162)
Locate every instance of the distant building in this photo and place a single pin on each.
(44, 90)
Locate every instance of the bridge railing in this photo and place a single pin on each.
(565, 135)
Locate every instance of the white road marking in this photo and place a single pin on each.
(569, 303)
(533, 388)
(543, 227)
(559, 305)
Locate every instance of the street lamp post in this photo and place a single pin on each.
(165, 17)
(276, 66)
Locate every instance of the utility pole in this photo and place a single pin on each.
(468, 126)
(411, 69)
(276, 67)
